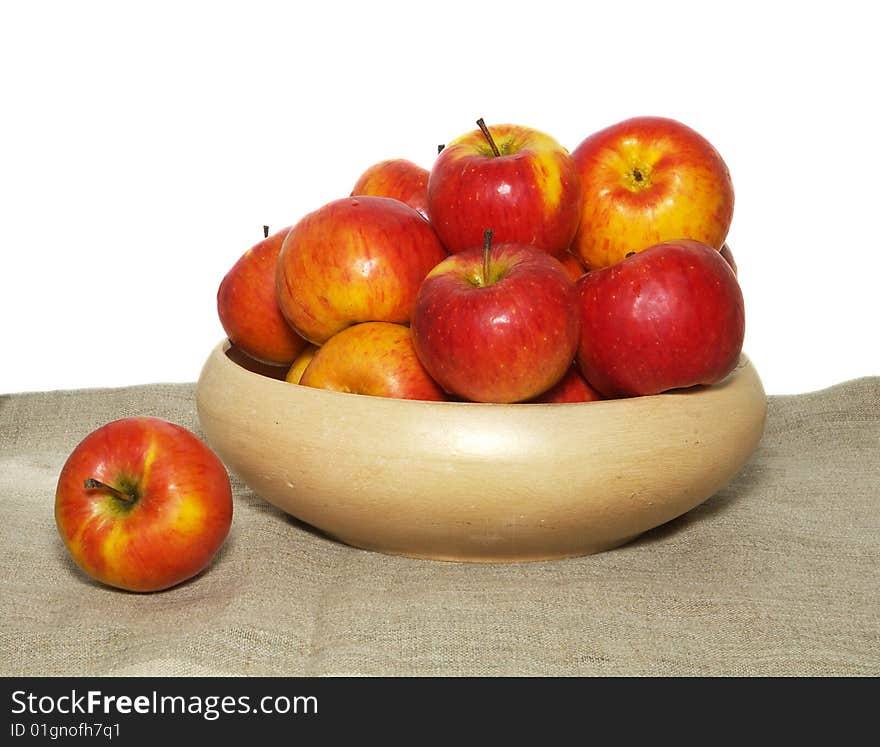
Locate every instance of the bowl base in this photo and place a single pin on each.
(488, 557)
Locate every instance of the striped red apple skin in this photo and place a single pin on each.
(172, 513)
(399, 178)
(669, 317)
(531, 193)
(507, 338)
(647, 180)
(248, 307)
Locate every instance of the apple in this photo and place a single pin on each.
(516, 180)
(354, 260)
(574, 268)
(295, 372)
(374, 358)
(572, 388)
(248, 309)
(143, 504)
(497, 324)
(670, 316)
(397, 178)
(647, 180)
(728, 257)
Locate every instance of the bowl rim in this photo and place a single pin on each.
(220, 351)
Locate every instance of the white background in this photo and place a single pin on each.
(144, 145)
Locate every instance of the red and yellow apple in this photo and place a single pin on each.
(298, 367)
(248, 309)
(374, 358)
(143, 504)
(668, 317)
(398, 178)
(354, 260)
(647, 180)
(574, 268)
(498, 325)
(515, 180)
(572, 388)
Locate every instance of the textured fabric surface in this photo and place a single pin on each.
(777, 574)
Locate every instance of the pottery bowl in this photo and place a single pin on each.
(478, 482)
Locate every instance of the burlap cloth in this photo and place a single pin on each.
(775, 575)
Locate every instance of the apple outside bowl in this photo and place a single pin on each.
(475, 482)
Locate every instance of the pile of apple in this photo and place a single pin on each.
(512, 271)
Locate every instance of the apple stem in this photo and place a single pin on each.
(487, 247)
(440, 148)
(488, 135)
(92, 483)
(265, 232)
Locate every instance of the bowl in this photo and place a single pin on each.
(465, 481)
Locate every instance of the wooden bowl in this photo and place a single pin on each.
(478, 482)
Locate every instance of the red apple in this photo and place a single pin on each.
(143, 504)
(398, 178)
(572, 388)
(354, 260)
(498, 325)
(647, 180)
(374, 358)
(248, 309)
(668, 317)
(516, 180)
